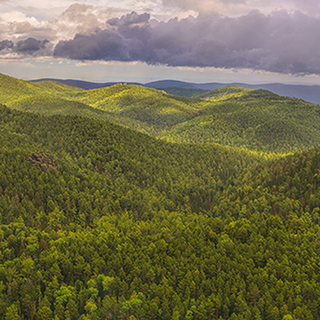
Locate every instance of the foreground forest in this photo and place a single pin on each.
(102, 222)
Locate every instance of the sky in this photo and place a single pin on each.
(252, 41)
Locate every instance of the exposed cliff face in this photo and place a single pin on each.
(42, 159)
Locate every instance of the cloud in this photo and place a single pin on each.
(236, 7)
(202, 5)
(101, 46)
(27, 47)
(6, 44)
(122, 41)
(279, 42)
(17, 26)
(30, 45)
(79, 18)
(310, 7)
(19, 23)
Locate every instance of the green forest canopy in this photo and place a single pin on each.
(98, 221)
(257, 120)
(130, 226)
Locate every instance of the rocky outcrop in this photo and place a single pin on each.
(44, 160)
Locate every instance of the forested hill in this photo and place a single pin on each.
(222, 92)
(256, 120)
(101, 222)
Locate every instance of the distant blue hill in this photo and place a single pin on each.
(305, 92)
(310, 93)
(162, 84)
(83, 84)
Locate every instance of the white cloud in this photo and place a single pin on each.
(17, 16)
(239, 7)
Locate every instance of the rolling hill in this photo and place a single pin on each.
(310, 93)
(112, 223)
(182, 92)
(257, 120)
(99, 221)
(153, 107)
(143, 109)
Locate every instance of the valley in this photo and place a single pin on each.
(154, 206)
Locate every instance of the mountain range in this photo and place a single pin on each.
(257, 120)
(310, 93)
(127, 202)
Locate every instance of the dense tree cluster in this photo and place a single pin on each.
(130, 227)
(255, 119)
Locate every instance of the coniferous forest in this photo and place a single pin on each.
(150, 206)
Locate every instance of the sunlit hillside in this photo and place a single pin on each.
(98, 221)
(256, 120)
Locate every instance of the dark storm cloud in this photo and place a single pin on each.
(123, 41)
(104, 45)
(6, 44)
(280, 42)
(30, 45)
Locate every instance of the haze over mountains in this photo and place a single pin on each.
(310, 93)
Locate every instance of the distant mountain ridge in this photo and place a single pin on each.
(310, 93)
(87, 85)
